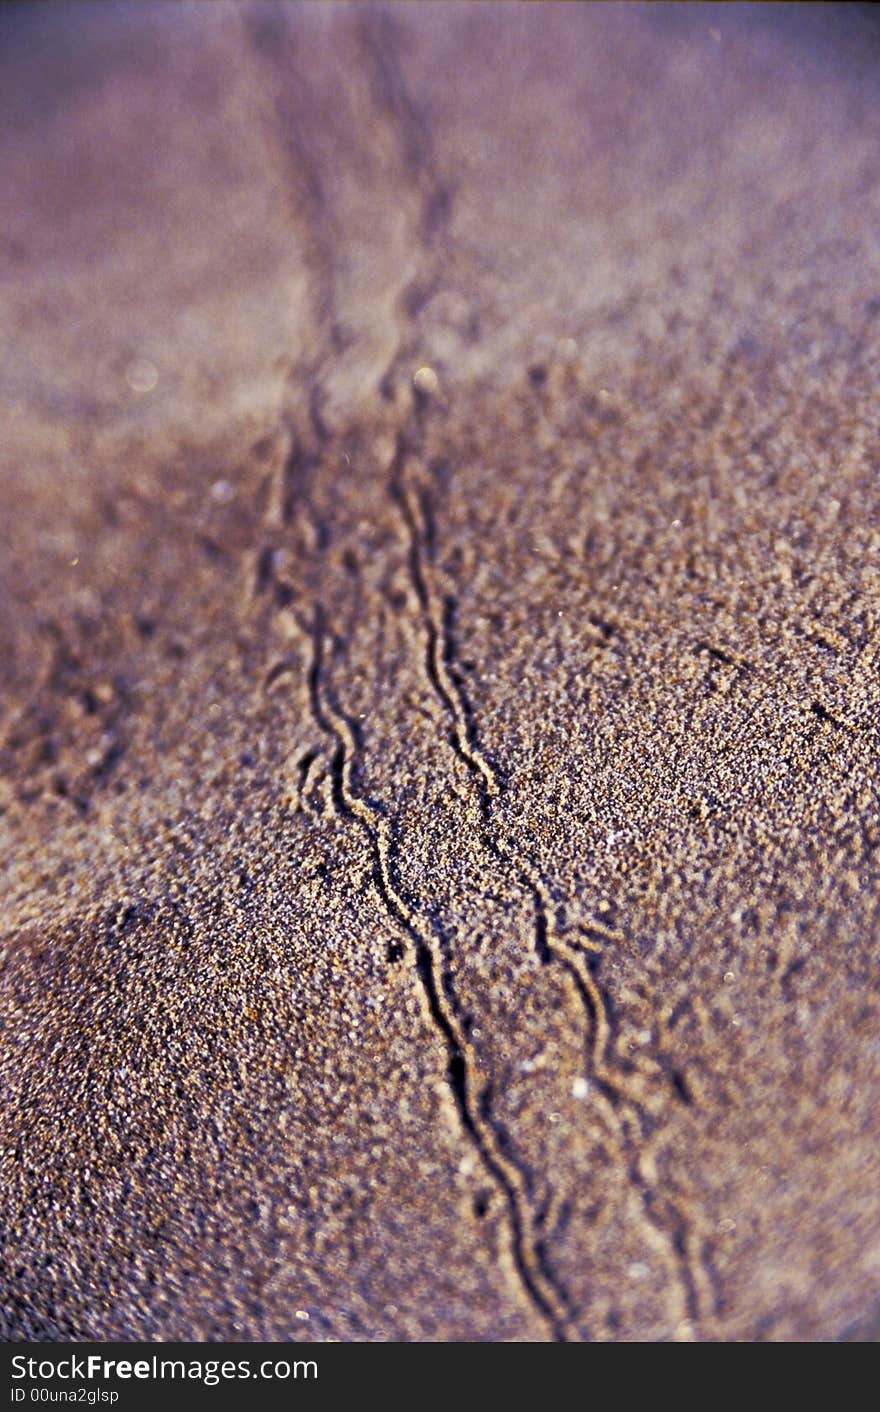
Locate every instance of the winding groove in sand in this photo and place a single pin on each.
(626, 1116)
(628, 1125)
(540, 1289)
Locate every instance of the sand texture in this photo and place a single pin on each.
(439, 612)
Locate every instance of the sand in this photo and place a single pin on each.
(439, 606)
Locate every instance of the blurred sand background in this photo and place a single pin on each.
(439, 608)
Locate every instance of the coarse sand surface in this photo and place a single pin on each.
(439, 613)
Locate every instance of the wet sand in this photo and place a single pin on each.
(439, 606)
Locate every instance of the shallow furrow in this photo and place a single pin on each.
(621, 1109)
(470, 1102)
